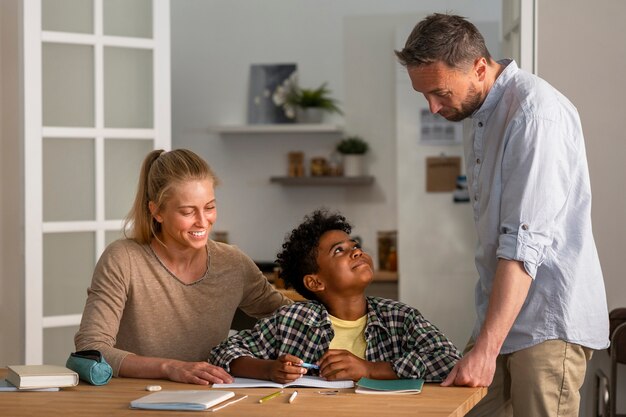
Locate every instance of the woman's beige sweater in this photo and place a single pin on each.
(135, 305)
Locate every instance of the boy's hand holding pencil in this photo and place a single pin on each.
(287, 368)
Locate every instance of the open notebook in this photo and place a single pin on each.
(305, 381)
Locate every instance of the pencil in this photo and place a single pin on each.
(269, 397)
(229, 403)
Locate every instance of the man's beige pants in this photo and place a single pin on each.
(543, 380)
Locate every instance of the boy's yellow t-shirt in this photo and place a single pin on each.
(349, 335)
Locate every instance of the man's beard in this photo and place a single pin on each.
(468, 107)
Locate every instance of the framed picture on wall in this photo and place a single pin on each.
(268, 85)
(436, 130)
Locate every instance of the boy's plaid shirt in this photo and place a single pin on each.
(394, 333)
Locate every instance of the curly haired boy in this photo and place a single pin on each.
(347, 334)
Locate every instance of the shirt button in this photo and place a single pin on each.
(524, 226)
(480, 124)
(478, 160)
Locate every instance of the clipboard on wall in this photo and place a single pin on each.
(441, 173)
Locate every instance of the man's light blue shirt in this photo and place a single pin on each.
(531, 196)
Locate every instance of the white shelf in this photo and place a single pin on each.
(336, 181)
(278, 128)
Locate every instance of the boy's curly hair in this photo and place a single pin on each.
(299, 255)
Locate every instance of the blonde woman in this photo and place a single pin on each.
(163, 297)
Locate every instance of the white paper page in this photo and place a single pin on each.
(305, 381)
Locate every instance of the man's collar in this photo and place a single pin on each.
(497, 89)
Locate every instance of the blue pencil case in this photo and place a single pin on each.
(90, 366)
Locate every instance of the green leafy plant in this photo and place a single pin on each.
(314, 98)
(290, 96)
(352, 145)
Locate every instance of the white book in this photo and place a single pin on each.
(7, 386)
(305, 381)
(41, 376)
(182, 400)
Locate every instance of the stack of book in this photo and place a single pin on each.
(38, 378)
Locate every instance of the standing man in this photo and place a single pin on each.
(540, 299)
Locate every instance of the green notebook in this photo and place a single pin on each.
(389, 386)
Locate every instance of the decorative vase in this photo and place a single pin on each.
(353, 165)
(309, 114)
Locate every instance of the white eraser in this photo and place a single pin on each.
(153, 388)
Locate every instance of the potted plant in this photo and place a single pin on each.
(309, 103)
(312, 102)
(353, 149)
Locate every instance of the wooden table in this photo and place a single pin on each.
(114, 398)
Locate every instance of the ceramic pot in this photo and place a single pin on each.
(309, 115)
(353, 165)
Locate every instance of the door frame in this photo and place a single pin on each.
(34, 227)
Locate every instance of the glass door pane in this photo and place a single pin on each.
(128, 18)
(68, 85)
(67, 15)
(68, 262)
(68, 180)
(128, 88)
(111, 236)
(59, 343)
(122, 161)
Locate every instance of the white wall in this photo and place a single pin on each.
(581, 52)
(350, 45)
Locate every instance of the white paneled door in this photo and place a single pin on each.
(96, 101)
(518, 32)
